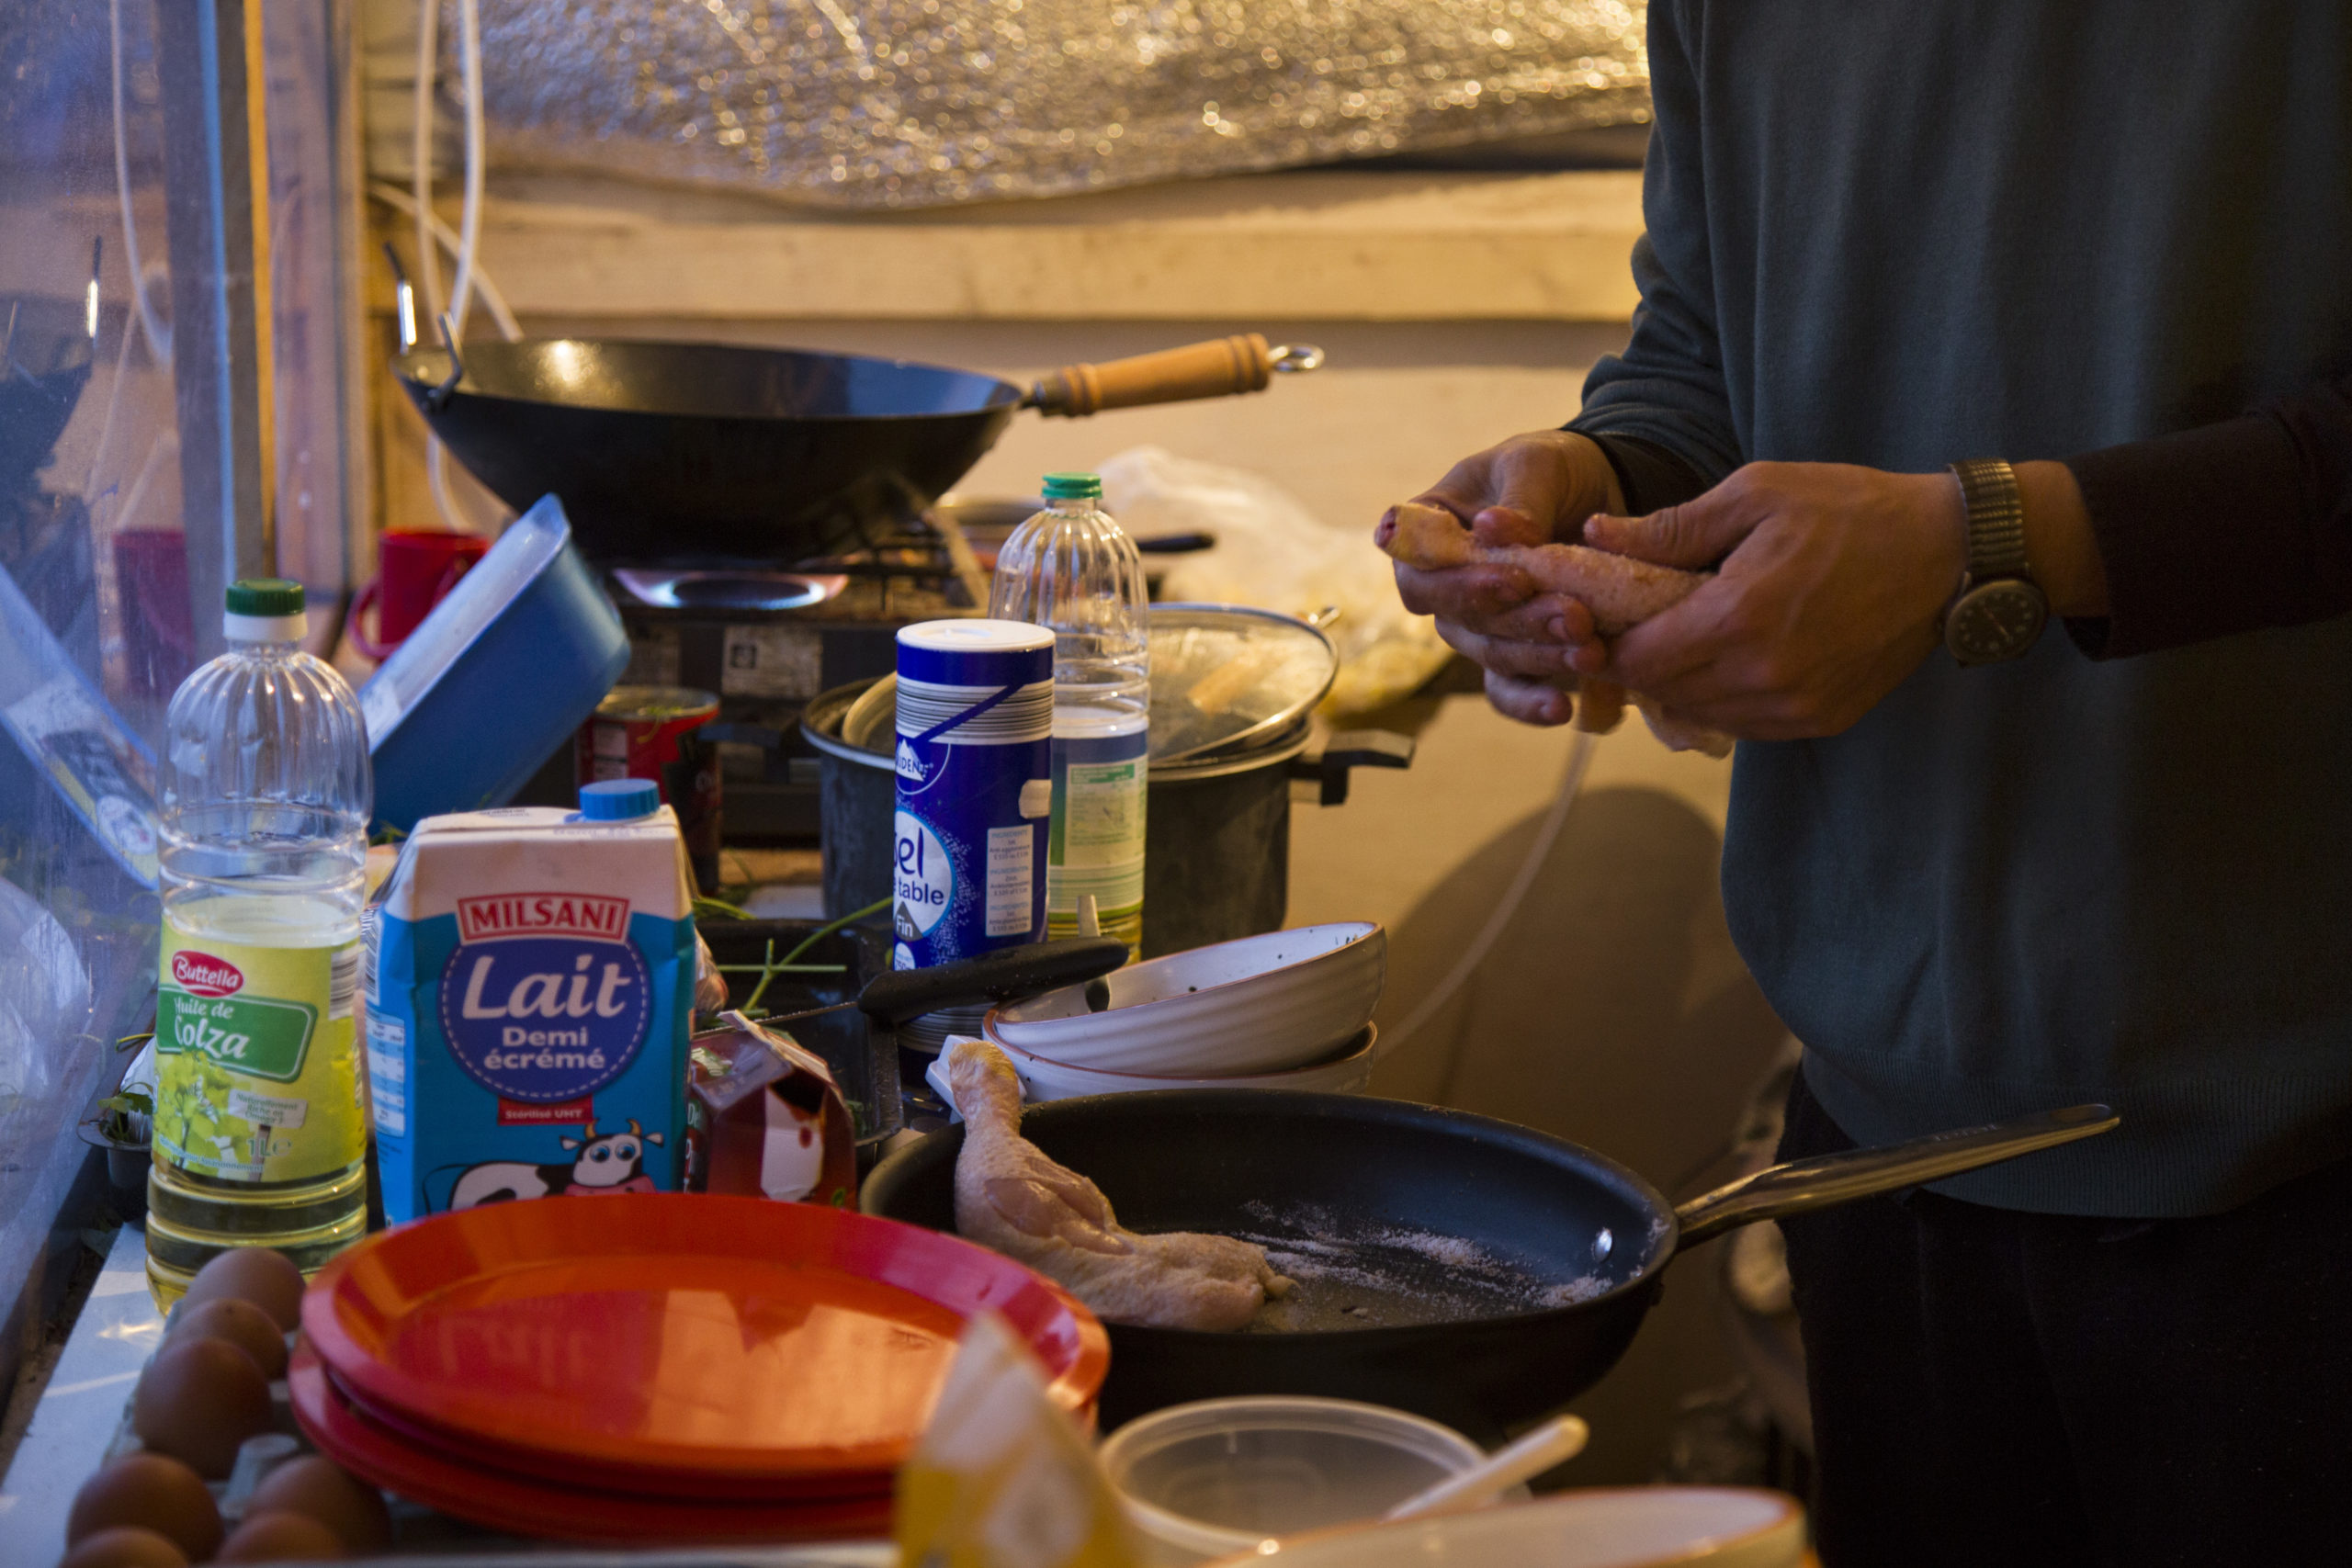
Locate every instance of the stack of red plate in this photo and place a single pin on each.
(658, 1367)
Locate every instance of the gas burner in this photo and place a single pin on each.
(728, 589)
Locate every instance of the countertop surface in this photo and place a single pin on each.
(80, 1409)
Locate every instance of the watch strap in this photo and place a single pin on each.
(1988, 488)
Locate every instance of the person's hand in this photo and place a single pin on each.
(1832, 582)
(1530, 490)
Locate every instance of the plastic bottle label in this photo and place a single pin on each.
(1012, 900)
(1098, 826)
(257, 1079)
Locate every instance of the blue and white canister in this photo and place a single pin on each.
(975, 762)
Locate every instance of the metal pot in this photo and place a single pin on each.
(858, 804)
(1216, 831)
(1217, 845)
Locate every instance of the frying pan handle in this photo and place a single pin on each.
(1805, 1185)
(1214, 369)
(893, 997)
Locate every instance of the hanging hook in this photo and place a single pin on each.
(404, 298)
(438, 397)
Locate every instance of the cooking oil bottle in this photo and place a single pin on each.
(260, 1125)
(1071, 568)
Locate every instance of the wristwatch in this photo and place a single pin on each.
(1999, 610)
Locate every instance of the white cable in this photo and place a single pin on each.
(99, 453)
(470, 214)
(428, 66)
(1547, 833)
(159, 336)
(501, 316)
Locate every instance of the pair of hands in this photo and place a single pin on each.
(1830, 583)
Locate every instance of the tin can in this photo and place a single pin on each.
(975, 796)
(654, 732)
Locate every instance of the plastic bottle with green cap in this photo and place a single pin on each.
(260, 1125)
(1073, 569)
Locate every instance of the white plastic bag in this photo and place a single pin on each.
(1272, 553)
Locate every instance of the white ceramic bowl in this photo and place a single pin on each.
(1346, 1071)
(1258, 1005)
(1216, 1476)
(1634, 1527)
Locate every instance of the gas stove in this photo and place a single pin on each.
(766, 641)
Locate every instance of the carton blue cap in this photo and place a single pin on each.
(618, 800)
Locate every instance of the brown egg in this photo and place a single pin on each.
(198, 1400)
(280, 1536)
(124, 1546)
(241, 1324)
(318, 1488)
(253, 1274)
(149, 1492)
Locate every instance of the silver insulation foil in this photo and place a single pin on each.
(913, 103)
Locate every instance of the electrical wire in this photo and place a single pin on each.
(470, 212)
(428, 66)
(1547, 833)
(493, 301)
(158, 334)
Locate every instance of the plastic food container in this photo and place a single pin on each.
(1217, 1476)
(502, 672)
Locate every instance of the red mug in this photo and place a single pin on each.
(417, 568)
(158, 626)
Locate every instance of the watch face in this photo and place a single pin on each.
(1995, 620)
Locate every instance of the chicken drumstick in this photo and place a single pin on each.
(1619, 592)
(1009, 1196)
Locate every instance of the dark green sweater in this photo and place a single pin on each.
(2116, 232)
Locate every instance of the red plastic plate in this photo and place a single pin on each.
(468, 1491)
(656, 1484)
(729, 1338)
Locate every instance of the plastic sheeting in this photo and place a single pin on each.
(911, 103)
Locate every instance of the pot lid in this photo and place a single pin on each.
(1227, 675)
(1224, 679)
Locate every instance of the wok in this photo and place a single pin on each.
(703, 454)
(45, 353)
(1503, 1270)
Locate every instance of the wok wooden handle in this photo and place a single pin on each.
(1214, 369)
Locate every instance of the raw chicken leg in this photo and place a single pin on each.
(1009, 1196)
(1619, 592)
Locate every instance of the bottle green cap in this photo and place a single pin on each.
(1073, 487)
(265, 596)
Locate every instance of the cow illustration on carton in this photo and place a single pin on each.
(612, 1163)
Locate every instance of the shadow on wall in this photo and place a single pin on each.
(1613, 1012)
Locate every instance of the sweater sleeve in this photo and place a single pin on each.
(1667, 388)
(2225, 528)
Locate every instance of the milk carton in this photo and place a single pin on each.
(531, 992)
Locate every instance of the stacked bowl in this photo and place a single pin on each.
(1284, 1009)
(654, 1367)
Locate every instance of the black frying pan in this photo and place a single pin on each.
(1376, 1198)
(701, 455)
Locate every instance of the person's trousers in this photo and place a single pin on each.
(1995, 1389)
